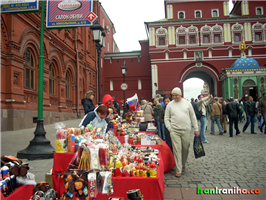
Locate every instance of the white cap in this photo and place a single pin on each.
(177, 90)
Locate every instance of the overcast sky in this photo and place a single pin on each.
(128, 17)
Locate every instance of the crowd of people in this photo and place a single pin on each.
(175, 118)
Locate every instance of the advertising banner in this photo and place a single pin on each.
(8, 6)
(69, 13)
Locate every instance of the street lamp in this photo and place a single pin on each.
(98, 37)
(124, 72)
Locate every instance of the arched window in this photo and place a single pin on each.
(259, 10)
(193, 37)
(161, 37)
(237, 33)
(217, 34)
(181, 36)
(67, 85)
(181, 14)
(197, 13)
(257, 32)
(214, 13)
(52, 79)
(29, 70)
(206, 35)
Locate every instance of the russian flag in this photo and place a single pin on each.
(133, 99)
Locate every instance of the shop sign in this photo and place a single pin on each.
(8, 6)
(70, 13)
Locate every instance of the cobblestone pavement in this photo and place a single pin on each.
(228, 163)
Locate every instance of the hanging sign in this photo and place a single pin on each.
(8, 6)
(69, 13)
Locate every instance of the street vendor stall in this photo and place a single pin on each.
(121, 184)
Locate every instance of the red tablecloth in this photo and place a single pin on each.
(151, 188)
(21, 193)
(167, 155)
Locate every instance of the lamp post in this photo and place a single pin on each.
(98, 37)
(124, 72)
(39, 147)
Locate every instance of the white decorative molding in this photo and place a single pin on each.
(10, 100)
(237, 28)
(258, 28)
(161, 32)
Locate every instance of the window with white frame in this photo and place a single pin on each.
(237, 33)
(217, 34)
(205, 33)
(139, 84)
(192, 34)
(111, 85)
(257, 32)
(181, 15)
(181, 36)
(198, 14)
(259, 10)
(161, 37)
(215, 13)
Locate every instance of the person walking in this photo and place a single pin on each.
(224, 116)
(87, 103)
(201, 104)
(147, 111)
(232, 110)
(251, 112)
(160, 126)
(166, 100)
(262, 111)
(217, 112)
(179, 118)
(241, 106)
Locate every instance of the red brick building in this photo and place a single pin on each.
(200, 38)
(70, 69)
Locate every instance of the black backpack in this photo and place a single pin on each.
(198, 112)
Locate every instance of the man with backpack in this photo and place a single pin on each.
(200, 111)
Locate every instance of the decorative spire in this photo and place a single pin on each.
(242, 48)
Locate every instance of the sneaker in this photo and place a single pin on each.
(212, 133)
(225, 131)
(206, 141)
(183, 169)
(178, 175)
(221, 133)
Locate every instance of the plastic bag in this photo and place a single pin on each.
(198, 147)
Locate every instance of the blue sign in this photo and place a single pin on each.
(8, 6)
(68, 13)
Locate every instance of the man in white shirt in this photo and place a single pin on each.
(179, 118)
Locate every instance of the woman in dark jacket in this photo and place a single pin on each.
(87, 102)
(166, 100)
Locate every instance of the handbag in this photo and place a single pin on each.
(198, 147)
(143, 126)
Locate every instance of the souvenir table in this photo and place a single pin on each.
(151, 188)
(21, 193)
(167, 155)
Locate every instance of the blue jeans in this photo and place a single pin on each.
(160, 128)
(202, 128)
(217, 120)
(252, 120)
(241, 117)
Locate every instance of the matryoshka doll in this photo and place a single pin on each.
(153, 170)
(137, 171)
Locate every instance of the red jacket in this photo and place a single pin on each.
(107, 98)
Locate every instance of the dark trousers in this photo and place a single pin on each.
(168, 138)
(234, 121)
